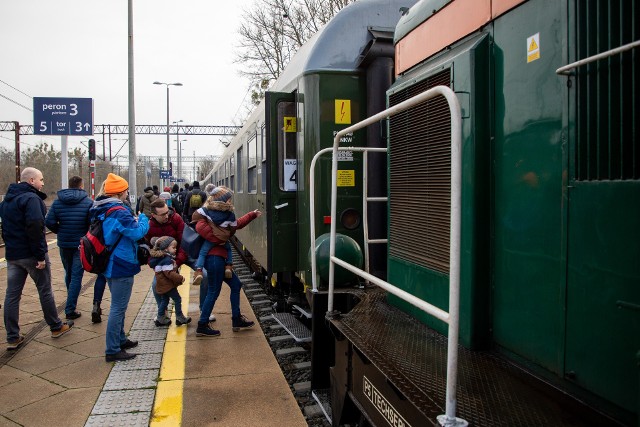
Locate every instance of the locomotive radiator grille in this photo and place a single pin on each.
(419, 174)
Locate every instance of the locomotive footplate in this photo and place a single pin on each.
(396, 375)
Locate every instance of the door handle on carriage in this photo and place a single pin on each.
(284, 205)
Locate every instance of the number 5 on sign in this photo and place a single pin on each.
(290, 175)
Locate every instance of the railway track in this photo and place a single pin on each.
(294, 358)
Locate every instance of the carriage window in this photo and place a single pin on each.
(226, 173)
(239, 172)
(287, 163)
(263, 158)
(232, 172)
(251, 163)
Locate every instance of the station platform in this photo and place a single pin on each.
(177, 379)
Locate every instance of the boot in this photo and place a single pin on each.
(228, 271)
(96, 313)
(162, 321)
(181, 319)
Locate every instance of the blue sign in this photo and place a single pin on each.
(165, 174)
(63, 116)
(179, 180)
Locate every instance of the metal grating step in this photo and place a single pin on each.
(291, 324)
(323, 398)
(302, 311)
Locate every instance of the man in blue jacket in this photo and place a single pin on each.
(68, 217)
(22, 213)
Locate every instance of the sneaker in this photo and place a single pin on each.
(212, 318)
(128, 344)
(162, 321)
(197, 278)
(228, 271)
(241, 322)
(66, 327)
(73, 315)
(13, 345)
(181, 319)
(119, 356)
(206, 331)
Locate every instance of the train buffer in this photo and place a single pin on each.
(293, 325)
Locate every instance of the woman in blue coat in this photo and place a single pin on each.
(121, 232)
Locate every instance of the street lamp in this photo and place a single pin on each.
(177, 125)
(167, 85)
(179, 150)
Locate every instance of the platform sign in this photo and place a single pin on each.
(165, 174)
(63, 116)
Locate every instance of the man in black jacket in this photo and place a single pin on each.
(22, 213)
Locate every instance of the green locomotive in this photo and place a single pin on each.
(549, 299)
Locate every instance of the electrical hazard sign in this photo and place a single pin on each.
(533, 47)
(343, 111)
(289, 124)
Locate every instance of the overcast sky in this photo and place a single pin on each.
(78, 49)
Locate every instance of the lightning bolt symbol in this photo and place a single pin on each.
(342, 112)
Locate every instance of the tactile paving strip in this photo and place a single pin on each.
(138, 419)
(123, 401)
(127, 396)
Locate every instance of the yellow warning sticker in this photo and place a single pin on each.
(346, 178)
(289, 124)
(533, 47)
(343, 111)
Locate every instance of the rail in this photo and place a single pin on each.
(451, 317)
(565, 69)
(312, 207)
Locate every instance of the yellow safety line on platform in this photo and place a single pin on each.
(167, 407)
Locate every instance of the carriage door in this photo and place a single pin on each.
(603, 289)
(282, 163)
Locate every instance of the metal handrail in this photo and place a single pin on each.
(312, 203)
(608, 53)
(453, 316)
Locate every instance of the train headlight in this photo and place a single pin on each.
(350, 219)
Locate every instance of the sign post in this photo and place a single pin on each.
(63, 116)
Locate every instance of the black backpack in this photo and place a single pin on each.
(94, 253)
(176, 203)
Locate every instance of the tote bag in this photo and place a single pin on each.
(191, 241)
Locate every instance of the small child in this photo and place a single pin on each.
(218, 210)
(168, 279)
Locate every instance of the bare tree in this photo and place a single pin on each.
(272, 31)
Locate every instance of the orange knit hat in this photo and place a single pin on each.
(115, 184)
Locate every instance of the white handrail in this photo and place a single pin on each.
(312, 204)
(453, 316)
(608, 53)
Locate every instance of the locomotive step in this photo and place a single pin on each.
(293, 326)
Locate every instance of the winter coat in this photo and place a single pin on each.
(204, 228)
(22, 213)
(124, 260)
(167, 276)
(145, 202)
(187, 209)
(68, 216)
(221, 217)
(174, 228)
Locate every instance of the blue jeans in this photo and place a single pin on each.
(99, 287)
(215, 268)
(17, 271)
(164, 302)
(206, 247)
(120, 288)
(73, 272)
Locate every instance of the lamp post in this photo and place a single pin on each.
(177, 125)
(168, 148)
(179, 152)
